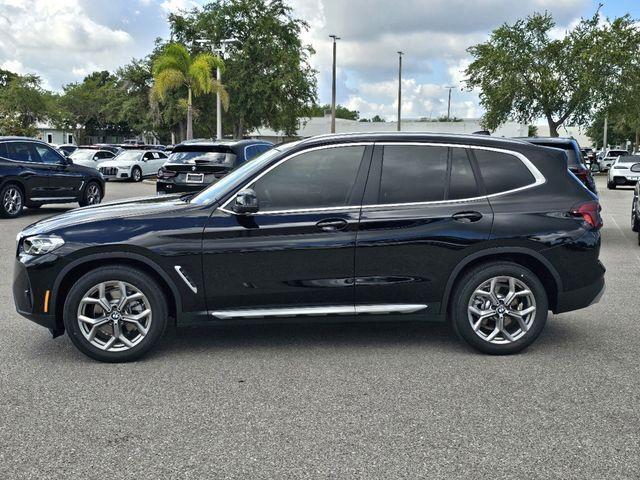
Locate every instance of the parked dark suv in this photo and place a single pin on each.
(195, 164)
(33, 173)
(488, 233)
(575, 159)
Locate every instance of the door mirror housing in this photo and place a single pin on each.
(246, 202)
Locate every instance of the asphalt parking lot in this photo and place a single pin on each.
(331, 401)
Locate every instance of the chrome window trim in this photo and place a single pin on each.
(278, 163)
(539, 179)
(380, 309)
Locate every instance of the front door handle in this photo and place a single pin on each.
(332, 224)
(467, 217)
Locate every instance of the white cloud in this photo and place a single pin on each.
(175, 6)
(54, 38)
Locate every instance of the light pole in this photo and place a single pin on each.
(221, 51)
(449, 103)
(399, 89)
(333, 86)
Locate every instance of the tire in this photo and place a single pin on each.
(104, 346)
(635, 226)
(92, 195)
(136, 174)
(611, 185)
(513, 338)
(11, 201)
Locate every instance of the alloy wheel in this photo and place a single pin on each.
(12, 200)
(114, 316)
(93, 194)
(501, 310)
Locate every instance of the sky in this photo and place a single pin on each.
(64, 40)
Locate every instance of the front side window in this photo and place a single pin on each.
(502, 172)
(412, 174)
(317, 179)
(48, 154)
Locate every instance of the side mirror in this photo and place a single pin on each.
(246, 202)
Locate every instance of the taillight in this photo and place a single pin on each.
(581, 174)
(162, 173)
(590, 213)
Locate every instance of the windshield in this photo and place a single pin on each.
(217, 156)
(217, 190)
(629, 159)
(129, 156)
(83, 155)
(617, 153)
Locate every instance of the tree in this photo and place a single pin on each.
(524, 74)
(618, 132)
(267, 72)
(532, 131)
(23, 103)
(341, 112)
(175, 68)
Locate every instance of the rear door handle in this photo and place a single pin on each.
(467, 217)
(332, 224)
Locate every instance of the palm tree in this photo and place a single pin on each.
(175, 68)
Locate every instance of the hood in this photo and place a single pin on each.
(117, 163)
(131, 207)
(86, 163)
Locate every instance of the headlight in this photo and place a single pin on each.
(41, 244)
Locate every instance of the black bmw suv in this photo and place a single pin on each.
(195, 164)
(32, 174)
(489, 234)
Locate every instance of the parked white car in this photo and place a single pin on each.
(89, 157)
(624, 171)
(609, 157)
(133, 165)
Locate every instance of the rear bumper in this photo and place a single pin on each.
(581, 297)
(168, 187)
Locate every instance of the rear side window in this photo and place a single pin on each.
(253, 151)
(573, 160)
(413, 173)
(502, 171)
(22, 152)
(3, 150)
(462, 183)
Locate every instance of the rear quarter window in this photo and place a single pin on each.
(501, 171)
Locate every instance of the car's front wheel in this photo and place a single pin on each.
(611, 185)
(136, 174)
(11, 201)
(499, 307)
(115, 314)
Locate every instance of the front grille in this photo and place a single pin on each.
(108, 170)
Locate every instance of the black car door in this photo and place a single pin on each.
(65, 180)
(296, 254)
(423, 211)
(33, 172)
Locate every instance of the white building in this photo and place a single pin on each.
(310, 127)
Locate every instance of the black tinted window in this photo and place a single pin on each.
(572, 159)
(463, 181)
(48, 154)
(321, 178)
(502, 171)
(3, 150)
(413, 173)
(22, 152)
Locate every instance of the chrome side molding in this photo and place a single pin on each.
(186, 279)
(380, 309)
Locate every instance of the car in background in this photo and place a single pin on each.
(608, 157)
(574, 157)
(89, 157)
(588, 156)
(67, 148)
(624, 171)
(133, 165)
(32, 173)
(195, 164)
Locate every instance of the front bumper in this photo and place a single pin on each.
(31, 302)
(115, 173)
(625, 179)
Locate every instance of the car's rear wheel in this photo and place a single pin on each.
(634, 218)
(499, 307)
(11, 201)
(136, 174)
(92, 195)
(115, 314)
